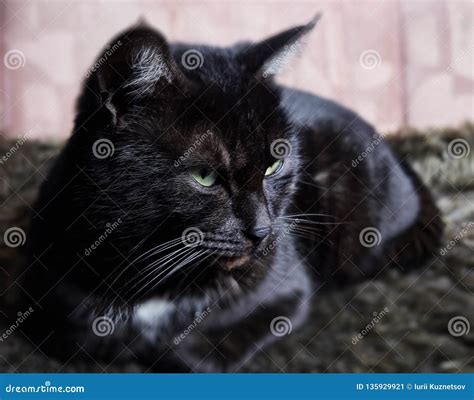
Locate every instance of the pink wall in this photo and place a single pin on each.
(395, 62)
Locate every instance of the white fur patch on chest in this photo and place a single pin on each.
(150, 315)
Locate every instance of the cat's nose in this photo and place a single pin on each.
(258, 234)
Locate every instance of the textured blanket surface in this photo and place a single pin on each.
(419, 321)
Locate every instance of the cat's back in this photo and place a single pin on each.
(351, 173)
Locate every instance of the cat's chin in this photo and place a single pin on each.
(230, 263)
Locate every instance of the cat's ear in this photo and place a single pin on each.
(270, 56)
(135, 64)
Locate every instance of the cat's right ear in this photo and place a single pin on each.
(269, 57)
(135, 65)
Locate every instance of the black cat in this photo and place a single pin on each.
(186, 220)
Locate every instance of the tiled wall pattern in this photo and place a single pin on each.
(395, 62)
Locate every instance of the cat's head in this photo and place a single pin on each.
(199, 147)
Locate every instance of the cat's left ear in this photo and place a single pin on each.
(270, 56)
(136, 65)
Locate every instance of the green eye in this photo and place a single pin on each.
(274, 168)
(204, 177)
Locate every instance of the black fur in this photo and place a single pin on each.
(164, 120)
